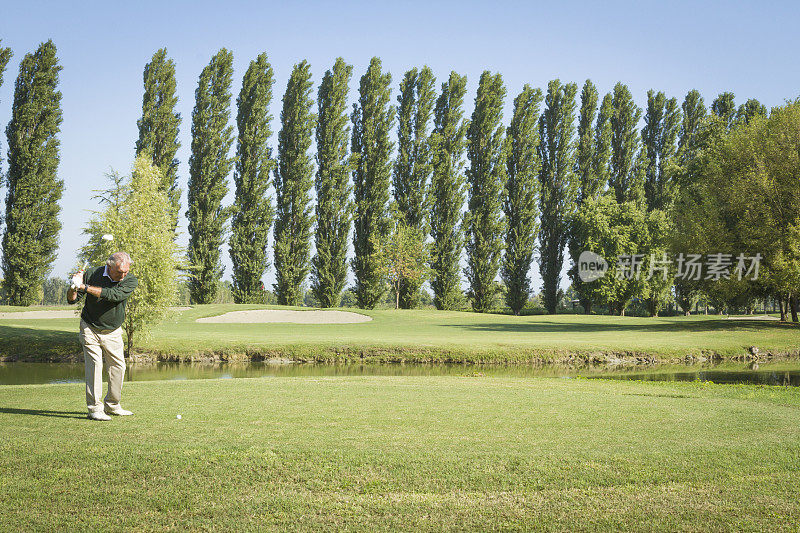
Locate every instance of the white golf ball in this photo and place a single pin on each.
(178, 417)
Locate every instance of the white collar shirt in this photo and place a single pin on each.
(106, 274)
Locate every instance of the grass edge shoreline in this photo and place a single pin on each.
(417, 355)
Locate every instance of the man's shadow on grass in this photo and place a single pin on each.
(42, 412)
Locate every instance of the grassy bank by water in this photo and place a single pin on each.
(403, 453)
(424, 335)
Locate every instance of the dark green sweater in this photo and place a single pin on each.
(108, 311)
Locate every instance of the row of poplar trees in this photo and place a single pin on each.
(354, 177)
(522, 186)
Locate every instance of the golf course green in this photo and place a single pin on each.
(403, 453)
(423, 336)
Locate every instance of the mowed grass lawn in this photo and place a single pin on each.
(427, 335)
(403, 453)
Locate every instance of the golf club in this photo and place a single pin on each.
(107, 237)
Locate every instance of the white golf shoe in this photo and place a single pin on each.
(98, 415)
(119, 412)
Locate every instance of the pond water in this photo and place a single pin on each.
(783, 374)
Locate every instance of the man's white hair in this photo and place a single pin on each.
(119, 258)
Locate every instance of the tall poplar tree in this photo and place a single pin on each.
(601, 162)
(373, 119)
(724, 106)
(749, 110)
(412, 168)
(252, 209)
(5, 57)
(334, 210)
(209, 166)
(589, 186)
(520, 204)
(557, 181)
(486, 177)
(591, 172)
(293, 182)
(160, 123)
(624, 146)
(659, 135)
(30, 238)
(694, 111)
(447, 193)
(650, 137)
(687, 291)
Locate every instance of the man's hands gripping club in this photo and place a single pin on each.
(77, 280)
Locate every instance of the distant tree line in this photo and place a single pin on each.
(569, 172)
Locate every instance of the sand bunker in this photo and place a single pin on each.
(38, 315)
(762, 317)
(262, 316)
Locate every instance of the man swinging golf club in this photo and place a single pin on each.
(106, 289)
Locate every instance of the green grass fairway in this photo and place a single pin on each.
(426, 335)
(403, 453)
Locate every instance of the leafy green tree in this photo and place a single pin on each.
(749, 110)
(520, 203)
(412, 169)
(695, 238)
(334, 207)
(30, 239)
(659, 281)
(209, 166)
(624, 146)
(160, 123)
(372, 119)
(404, 256)
(252, 209)
(486, 177)
(614, 230)
(293, 182)
(558, 184)
(724, 107)
(447, 193)
(745, 200)
(140, 219)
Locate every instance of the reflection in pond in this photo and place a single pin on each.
(789, 378)
(787, 374)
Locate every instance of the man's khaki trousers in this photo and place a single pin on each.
(97, 346)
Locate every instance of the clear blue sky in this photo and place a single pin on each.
(749, 48)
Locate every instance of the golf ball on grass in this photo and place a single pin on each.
(178, 417)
